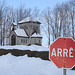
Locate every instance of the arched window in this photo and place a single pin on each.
(13, 40)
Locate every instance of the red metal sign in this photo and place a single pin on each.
(62, 53)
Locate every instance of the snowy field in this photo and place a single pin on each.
(23, 47)
(23, 65)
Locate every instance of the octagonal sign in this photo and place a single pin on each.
(62, 53)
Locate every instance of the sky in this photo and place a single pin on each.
(41, 4)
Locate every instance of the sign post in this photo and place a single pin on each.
(62, 53)
(64, 71)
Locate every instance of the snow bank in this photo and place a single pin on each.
(23, 47)
(23, 65)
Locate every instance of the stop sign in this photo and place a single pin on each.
(62, 53)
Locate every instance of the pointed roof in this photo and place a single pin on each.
(36, 35)
(20, 32)
(13, 23)
(28, 19)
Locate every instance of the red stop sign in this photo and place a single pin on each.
(62, 53)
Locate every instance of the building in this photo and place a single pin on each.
(28, 32)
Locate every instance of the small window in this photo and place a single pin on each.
(39, 41)
(26, 41)
(23, 40)
(35, 40)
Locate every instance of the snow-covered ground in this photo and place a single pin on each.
(23, 47)
(23, 65)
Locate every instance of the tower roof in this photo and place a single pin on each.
(13, 23)
(36, 35)
(28, 20)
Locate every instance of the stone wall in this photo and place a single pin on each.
(38, 54)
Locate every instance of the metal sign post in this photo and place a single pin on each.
(64, 71)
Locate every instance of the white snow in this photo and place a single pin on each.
(36, 35)
(24, 47)
(27, 20)
(14, 23)
(23, 65)
(20, 32)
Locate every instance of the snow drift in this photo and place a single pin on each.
(23, 65)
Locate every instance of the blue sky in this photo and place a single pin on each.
(41, 4)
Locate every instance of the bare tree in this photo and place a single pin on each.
(72, 14)
(36, 12)
(3, 10)
(61, 20)
(22, 13)
(46, 14)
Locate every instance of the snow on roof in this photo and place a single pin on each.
(36, 35)
(20, 32)
(28, 19)
(14, 23)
